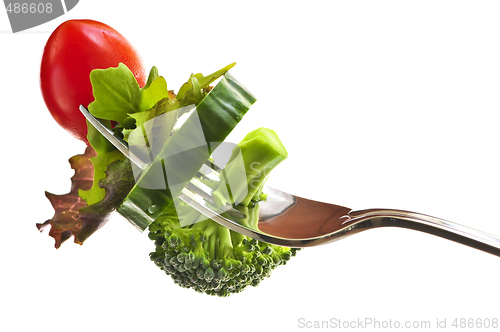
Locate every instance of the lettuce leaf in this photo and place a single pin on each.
(106, 153)
(65, 221)
(116, 93)
(117, 184)
(203, 81)
(73, 217)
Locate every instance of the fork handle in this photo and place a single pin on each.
(427, 224)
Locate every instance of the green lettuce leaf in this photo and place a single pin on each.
(163, 106)
(106, 154)
(203, 81)
(156, 91)
(116, 93)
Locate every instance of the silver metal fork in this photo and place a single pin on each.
(293, 221)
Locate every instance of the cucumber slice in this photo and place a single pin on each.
(183, 154)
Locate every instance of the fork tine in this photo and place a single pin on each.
(213, 167)
(113, 139)
(201, 189)
(209, 173)
(197, 190)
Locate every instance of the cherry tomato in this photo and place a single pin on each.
(73, 50)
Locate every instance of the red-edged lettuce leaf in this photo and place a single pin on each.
(73, 217)
(65, 221)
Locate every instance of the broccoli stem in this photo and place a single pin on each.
(212, 246)
(225, 242)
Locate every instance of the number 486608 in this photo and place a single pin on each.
(475, 323)
(32, 8)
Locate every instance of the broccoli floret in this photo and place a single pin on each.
(210, 258)
(197, 252)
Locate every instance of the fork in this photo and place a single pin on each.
(293, 221)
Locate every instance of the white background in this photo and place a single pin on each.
(379, 103)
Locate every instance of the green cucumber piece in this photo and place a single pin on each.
(184, 153)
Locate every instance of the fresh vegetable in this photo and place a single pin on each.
(216, 115)
(73, 216)
(197, 252)
(73, 50)
(208, 257)
(66, 220)
(258, 154)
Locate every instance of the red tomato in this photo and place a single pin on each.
(73, 50)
